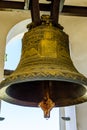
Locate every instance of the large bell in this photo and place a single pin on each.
(45, 76)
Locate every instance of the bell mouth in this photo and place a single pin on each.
(62, 93)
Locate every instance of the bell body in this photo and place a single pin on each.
(45, 67)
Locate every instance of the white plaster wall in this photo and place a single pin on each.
(81, 111)
(7, 20)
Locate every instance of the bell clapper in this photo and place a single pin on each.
(46, 104)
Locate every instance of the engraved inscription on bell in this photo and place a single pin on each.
(47, 46)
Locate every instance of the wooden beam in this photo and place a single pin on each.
(12, 4)
(8, 72)
(74, 10)
(67, 9)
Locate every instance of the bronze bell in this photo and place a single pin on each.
(45, 76)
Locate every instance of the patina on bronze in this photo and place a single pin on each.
(45, 75)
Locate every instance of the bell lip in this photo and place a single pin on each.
(18, 79)
(67, 102)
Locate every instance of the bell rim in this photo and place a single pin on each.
(77, 78)
(67, 102)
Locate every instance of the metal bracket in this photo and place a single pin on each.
(66, 118)
(54, 10)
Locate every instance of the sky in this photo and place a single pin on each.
(24, 118)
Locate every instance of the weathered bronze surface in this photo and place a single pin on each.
(45, 67)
